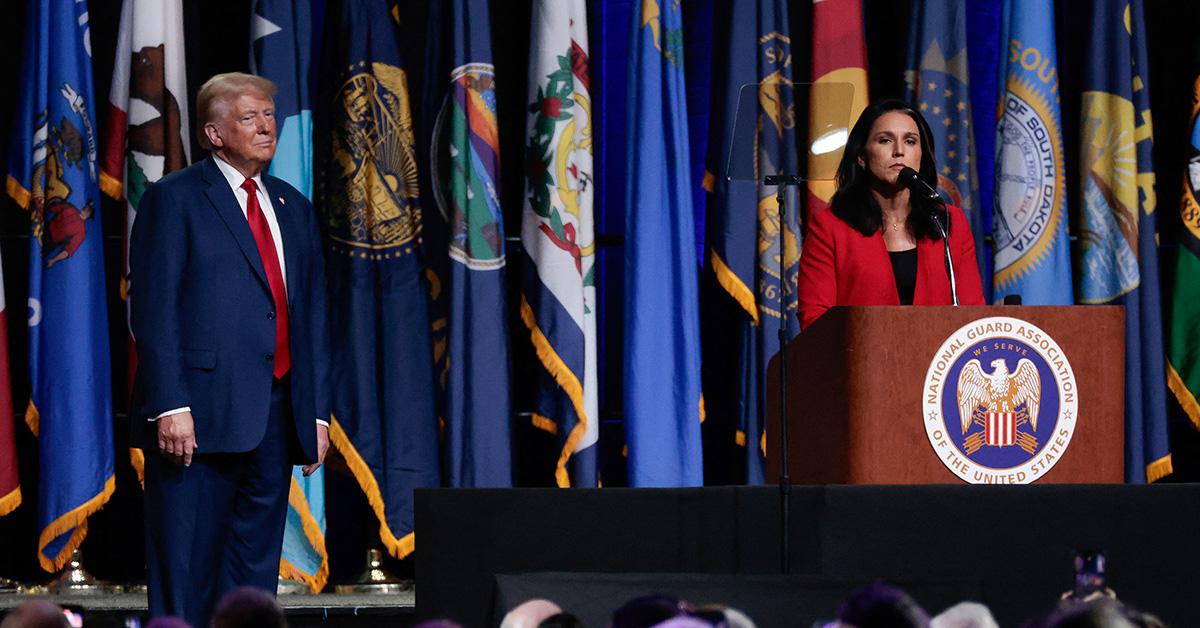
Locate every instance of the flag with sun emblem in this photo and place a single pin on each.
(1118, 253)
(1029, 221)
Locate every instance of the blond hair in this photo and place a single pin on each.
(217, 92)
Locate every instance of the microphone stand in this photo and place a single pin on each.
(781, 183)
(912, 180)
(946, 245)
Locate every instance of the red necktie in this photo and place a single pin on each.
(270, 260)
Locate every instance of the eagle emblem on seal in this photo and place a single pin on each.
(1000, 404)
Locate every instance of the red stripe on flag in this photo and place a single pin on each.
(112, 162)
(10, 484)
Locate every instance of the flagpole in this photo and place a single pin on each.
(781, 183)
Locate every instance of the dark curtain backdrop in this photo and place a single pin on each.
(217, 41)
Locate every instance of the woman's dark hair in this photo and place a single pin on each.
(853, 202)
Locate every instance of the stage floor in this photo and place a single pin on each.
(327, 609)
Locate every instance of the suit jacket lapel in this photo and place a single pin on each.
(226, 205)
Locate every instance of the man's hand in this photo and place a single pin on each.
(322, 447)
(177, 437)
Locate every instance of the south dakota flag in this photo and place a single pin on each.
(1032, 255)
(558, 282)
(53, 174)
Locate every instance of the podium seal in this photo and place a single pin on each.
(1000, 402)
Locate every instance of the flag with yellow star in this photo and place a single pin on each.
(938, 86)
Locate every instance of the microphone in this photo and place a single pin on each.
(912, 180)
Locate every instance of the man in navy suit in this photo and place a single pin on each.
(229, 312)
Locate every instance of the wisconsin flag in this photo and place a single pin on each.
(281, 38)
(939, 87)
(53, 174)
(663, 408)
(146, 123)
(1029, 224)
(469, 252)
(10, 483)
(558, 282)
(367, 193)
(745, 237)
(1119, 252)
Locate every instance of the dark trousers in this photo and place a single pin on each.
(218, 524)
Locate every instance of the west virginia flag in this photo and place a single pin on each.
(53, 174)
(938, 85)
(663, 408)
(367, 193)
(745, 237)
(558, 282)
(1119, 251)
(1032, 255)
(282, 39)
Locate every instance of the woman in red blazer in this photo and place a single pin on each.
(878, 244)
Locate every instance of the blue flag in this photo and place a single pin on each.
(983, 43)
(1119, 252)
(367, 194)
(745, 238)
(1032, 254)
(282, 43)
(662, 321)
(938, 85)
(469, 255)
(53, 174)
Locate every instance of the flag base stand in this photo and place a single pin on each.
(75, 580)
(375, 580)
(290, 587)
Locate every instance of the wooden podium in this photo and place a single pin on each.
(855, 383)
